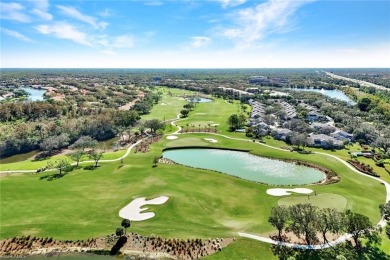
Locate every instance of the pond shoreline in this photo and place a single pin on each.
(330, 177)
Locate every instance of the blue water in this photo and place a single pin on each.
(201, 100)
(35, 94)
(246, 166)
(337, 94)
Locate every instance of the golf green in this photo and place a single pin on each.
(323, 200)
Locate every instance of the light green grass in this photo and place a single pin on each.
(31, 164)
(324, 200)
(202, 204)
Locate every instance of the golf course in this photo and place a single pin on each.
(202, 203)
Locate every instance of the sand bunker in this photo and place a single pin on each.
(171, 137)
(211, 140)
(133, 210)
(215, 125)
(286, 192)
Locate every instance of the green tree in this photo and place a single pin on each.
(278, 219)
(119, 232)
(76, 156)
(184, 112)
(234, 121)
(84, 142)
(385, 210)
(304, 217)
(125, 224)
(96, 155)
(154, 125)
(61, 165)
(358, 226)
(328, 220)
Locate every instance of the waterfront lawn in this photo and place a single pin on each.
(85, 203)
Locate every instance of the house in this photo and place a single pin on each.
(342, 135)
(9, 95)
(324, 141)
(281, 133)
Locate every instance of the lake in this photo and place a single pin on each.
(35, 94)
(335, 93)
(200, 99)
(246, 166)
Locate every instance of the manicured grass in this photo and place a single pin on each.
(202, 204)
(169, 106)
(324, 200)
(31, 164)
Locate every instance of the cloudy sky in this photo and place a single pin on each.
(194, 33)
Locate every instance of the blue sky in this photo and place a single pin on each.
(195, 34)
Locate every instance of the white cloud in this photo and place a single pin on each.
(123, 41)
(154, 3)
(231, 3)
(253, 24)
(76, 14)
(40, 9)
(14, 12)
(64, 31)
(43, 15)
(16, 35)
(199, 41)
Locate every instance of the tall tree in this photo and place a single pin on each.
(96, 155)
(304, 217)
(328, 220)
(278, 219)
(84, 142)
(76, 156)
(358, 226)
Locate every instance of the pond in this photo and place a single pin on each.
(35, 94)
(246, 166)
(334, 93)
(19, 157)
(108, 144)
(200, 99)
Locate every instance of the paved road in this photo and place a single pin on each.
(361, 82)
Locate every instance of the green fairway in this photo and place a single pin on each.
(32, 164)
(202, 204)
(324, 200)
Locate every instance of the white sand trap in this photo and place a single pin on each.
(201, 114)
(215, 125)
(211, 140)
(171, 137)
(286, 192)
(133, 210)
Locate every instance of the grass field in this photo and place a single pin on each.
(31, 164)
(202, 204)
(324, 200)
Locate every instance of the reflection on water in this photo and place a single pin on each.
(246, 166)
(335, 93)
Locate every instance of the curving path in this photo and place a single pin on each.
(89, 161)
(341, 239)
